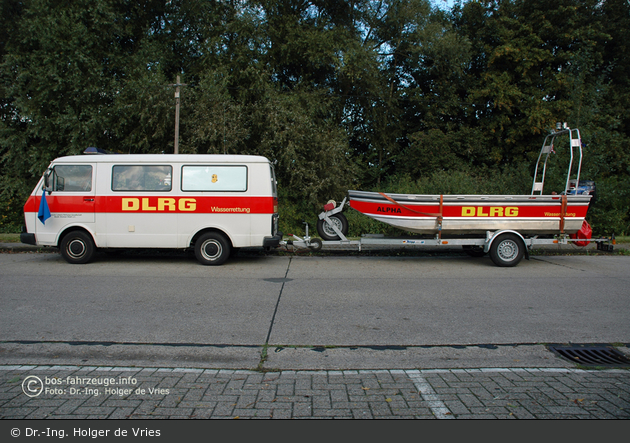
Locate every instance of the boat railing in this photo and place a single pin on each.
(575, 147)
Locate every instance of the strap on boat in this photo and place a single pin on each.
(438, 217)
(563, 212)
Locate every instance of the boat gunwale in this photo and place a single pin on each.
(462, 198)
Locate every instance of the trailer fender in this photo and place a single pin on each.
(491, 236)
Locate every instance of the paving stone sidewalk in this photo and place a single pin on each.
(76, 392)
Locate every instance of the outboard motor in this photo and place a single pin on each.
(583, 187)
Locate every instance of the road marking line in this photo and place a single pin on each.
(437, 406)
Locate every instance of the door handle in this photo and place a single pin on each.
(88, 199)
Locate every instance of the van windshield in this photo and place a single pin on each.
(72, 178)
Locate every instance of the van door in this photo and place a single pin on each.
(70, 195)
(142, 209)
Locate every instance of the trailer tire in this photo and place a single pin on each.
(212, 249)
(77, 247)
(327, 232)
(507, 250)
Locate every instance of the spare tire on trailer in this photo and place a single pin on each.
(327, 232)
(507, 250)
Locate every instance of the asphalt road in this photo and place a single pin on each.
(300, 312)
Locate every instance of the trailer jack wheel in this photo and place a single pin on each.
(315, 244)
(507, 250)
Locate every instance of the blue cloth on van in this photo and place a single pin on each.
(44, 213)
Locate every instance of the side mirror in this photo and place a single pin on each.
(47, 181)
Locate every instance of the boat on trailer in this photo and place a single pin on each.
(505, 226)
(474, 214)
(533, 214)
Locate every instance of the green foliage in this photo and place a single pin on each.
(294, 214)
(467, 181)
(609, 214)
(11, 216)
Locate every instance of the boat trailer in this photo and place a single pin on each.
(505, 247)
(479, 224)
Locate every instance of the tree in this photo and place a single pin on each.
(522, 54)
(61, 67)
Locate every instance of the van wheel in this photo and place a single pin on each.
(77, 247)
(212, 249)
(507, 250)
(327, 232)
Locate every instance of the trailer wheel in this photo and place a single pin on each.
(507, 250)
(77, 247)
(326, 231)
(212, 249)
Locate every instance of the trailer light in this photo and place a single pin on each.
(444, 242)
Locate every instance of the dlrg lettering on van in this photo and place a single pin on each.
(210, 203)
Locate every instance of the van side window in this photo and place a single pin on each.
(142, 178)
(214, 178)
(72, 178)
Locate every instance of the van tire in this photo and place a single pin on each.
(212, 249)
(77, 247)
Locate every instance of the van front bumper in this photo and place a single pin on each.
(27, 238)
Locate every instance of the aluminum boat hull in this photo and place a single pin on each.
(474, 214)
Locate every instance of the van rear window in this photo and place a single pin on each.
(214, 178)
(142, 178)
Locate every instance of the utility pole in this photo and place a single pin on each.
(177, 85)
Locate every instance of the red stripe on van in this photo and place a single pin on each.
(156, 204)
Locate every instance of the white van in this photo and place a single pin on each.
(212, 203)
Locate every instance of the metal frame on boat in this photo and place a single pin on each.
(504, 226)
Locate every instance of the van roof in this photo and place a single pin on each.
(161, 158)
